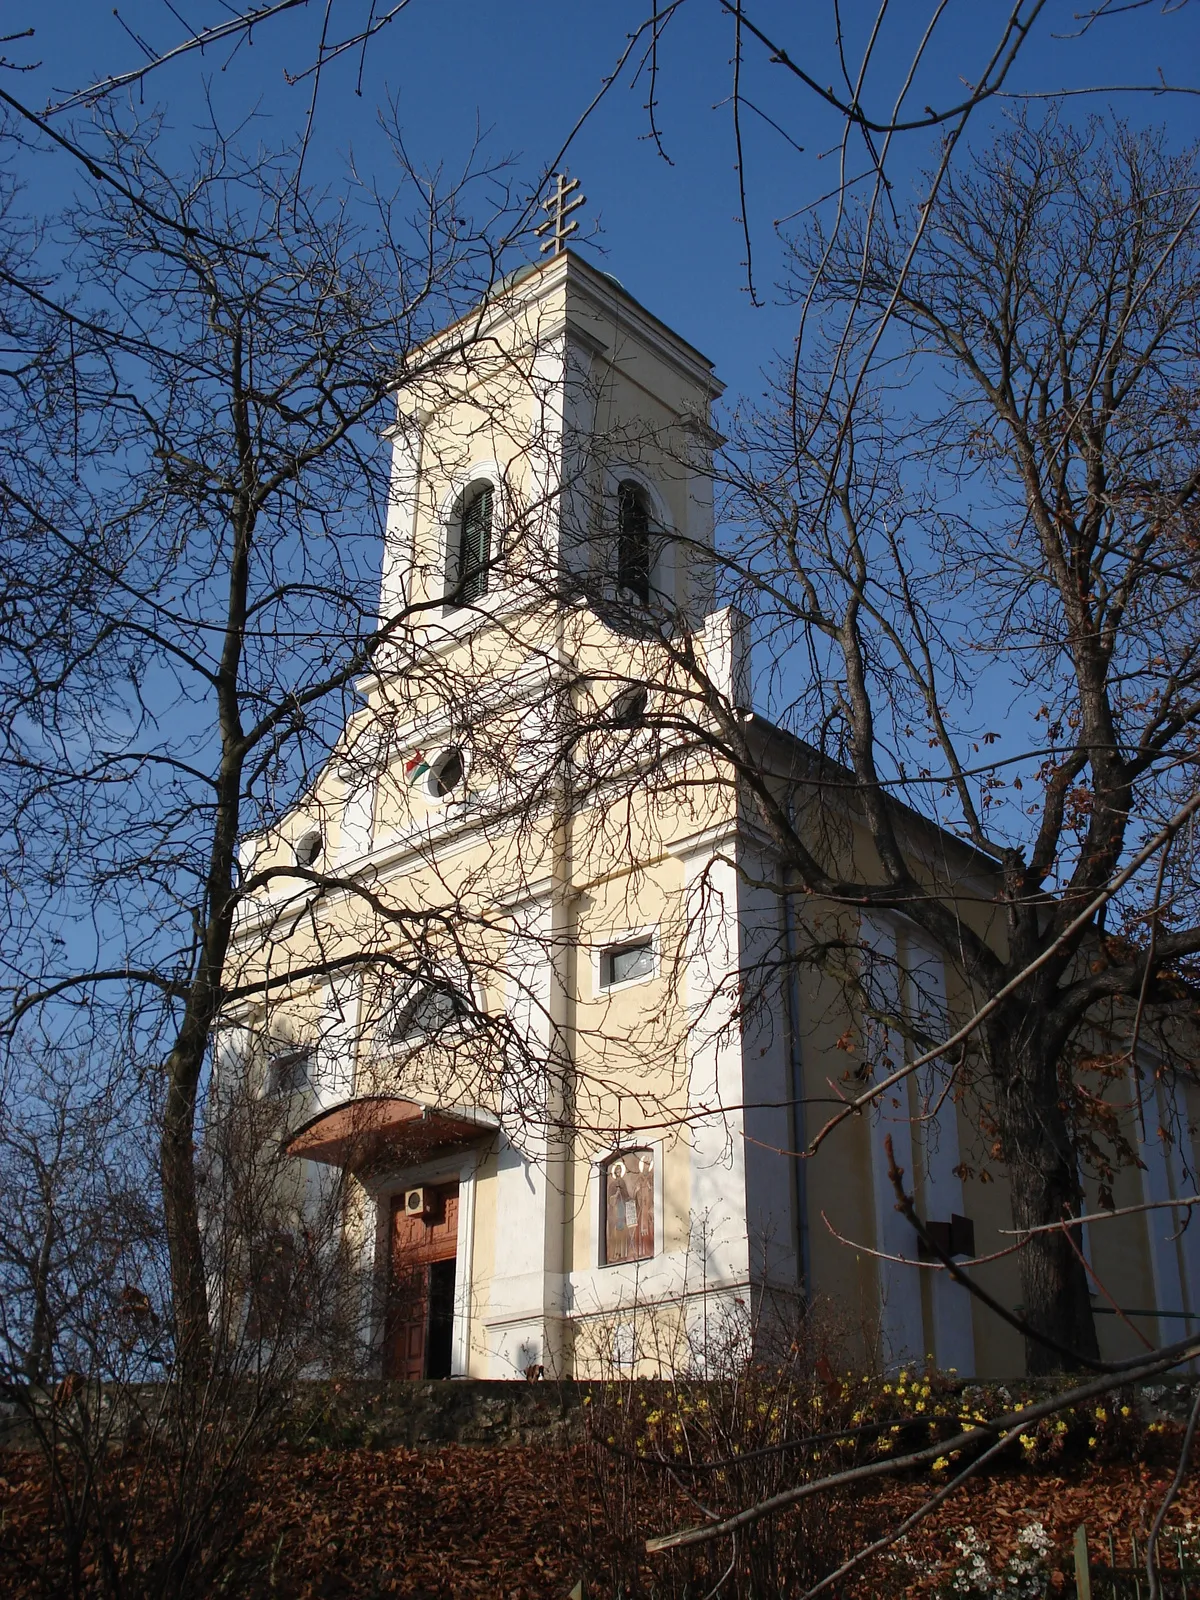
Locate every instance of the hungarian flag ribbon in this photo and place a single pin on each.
(416, 767)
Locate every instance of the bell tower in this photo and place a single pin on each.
(556, 448)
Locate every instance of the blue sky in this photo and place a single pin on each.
(519, 78)
(523, 73)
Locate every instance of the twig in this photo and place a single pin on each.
(1168, 1498)
(737, 139)
(1163, 837)
(1102, 1216)
(919, 1514)
(916, 1261)
(984, 1433)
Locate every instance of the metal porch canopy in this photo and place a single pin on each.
(377, 1129)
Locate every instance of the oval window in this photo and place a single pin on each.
(309, 846)
(448, 772)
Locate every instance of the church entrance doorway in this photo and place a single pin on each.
(423, 1233)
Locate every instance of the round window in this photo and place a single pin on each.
(308, 847)
(447, 774)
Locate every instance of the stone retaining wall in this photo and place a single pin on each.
(458, 1411)
(359, 1413)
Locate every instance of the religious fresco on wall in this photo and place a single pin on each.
(629, 1207)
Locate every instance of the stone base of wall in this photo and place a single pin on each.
(347, 1414)
(467, 1411)
(375, 1414)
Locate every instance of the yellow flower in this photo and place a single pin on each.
(1092, 1440)
(941, 1464)
(1101, 1414)
(1124, 1411)
(652, 1417)
(1028, 1443)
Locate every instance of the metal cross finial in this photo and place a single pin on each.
(560, 207)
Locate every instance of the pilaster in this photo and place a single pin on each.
(524, 1321)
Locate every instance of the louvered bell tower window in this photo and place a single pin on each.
(470, 549)
(633, 541)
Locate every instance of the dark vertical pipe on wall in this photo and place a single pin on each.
(796, 1120)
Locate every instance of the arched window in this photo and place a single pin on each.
(291, 1071)
(429, 1010)
(628, 1180)
(470, 547)
(627, 710)
(633, 541)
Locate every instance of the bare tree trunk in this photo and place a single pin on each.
(41, 1337)
(1038, 1150)
(181, 1212)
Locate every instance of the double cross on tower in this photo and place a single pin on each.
(560, 206)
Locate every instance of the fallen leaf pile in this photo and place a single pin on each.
(523, 1523)
(1117, 1498)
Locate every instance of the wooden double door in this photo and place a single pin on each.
(419, 1331)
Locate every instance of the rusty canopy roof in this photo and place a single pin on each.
(379, 1129)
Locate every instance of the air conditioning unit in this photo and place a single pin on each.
(417, 1202)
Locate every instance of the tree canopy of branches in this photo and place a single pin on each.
(193, 490)
(995, 531)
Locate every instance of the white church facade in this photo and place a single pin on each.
(542, 1010)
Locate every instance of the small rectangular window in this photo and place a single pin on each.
(622, 963)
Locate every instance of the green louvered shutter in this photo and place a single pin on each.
(474, 547)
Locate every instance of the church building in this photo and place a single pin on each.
(534, 996)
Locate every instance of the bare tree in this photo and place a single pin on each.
(81, 1231)
(996, 536)
(194, 488)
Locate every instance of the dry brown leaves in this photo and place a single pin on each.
(331, 1523)
(1117, 1498)
(520, 1523)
